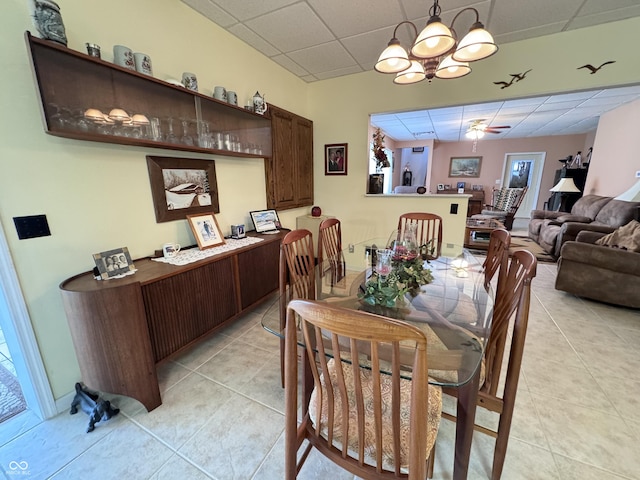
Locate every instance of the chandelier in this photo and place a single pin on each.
(436, 52)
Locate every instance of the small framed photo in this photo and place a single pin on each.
(460, 185)
(113, 262)
(206, 230)
(335, 159)
(447, 186)
(441, 186)
(417, 150)
(477, 187)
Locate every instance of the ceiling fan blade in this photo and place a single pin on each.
(502, 126)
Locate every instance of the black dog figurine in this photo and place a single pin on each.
(91, 404)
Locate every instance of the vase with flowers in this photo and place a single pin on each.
(378, 151)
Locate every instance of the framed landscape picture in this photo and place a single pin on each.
(467, 167)
(182, 186)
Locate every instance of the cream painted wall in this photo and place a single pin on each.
(493, 155)
(97, 196)
(616, 152)
(72, 182)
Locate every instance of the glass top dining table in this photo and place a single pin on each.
(454, 311)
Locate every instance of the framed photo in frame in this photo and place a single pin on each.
(468, 167)
(460, 185)
(206, 230)
(441, 186)
(182, 186)
(335, 159)
(113, 262)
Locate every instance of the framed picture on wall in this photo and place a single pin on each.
(182, 186)
(335, 159)
(468, 167)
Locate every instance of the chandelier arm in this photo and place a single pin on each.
(415, 30)
(464, 10)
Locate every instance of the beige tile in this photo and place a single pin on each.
(259, 337)
(573, 470)
(126, 450)
(236, 364)
(266, 385)
(177, 467)
(234, 442)
(203, 351)
(624, 395)
(17, 425)
(186, 408)
(169, 374)
(589, 436)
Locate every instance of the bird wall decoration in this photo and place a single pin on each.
(515, 78)
(595, 69)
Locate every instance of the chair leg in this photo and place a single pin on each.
(431, 461)
(282, 361)
(502, 441)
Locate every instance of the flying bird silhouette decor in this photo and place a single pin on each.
(515, 78)
(595, 69)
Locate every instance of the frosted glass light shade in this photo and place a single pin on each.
(631, 195)
(476, 45)
(474, 134)
(565, 185)
(449, 68)
(413, 74)
(434, 40)
(393, 59)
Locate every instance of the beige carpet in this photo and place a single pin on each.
(519, 243)
(11, 398)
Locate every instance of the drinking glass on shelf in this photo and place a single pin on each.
(154, 132)
(204, 135)
(171, 136)
(186, 138)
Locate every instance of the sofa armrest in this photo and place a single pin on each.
(546, 214)
(574, 218)
(614, 259)
(570, 230)
(586, 236)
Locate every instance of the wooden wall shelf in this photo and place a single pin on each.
(121, 328)
(70, 82)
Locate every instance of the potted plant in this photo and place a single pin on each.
(376, 180)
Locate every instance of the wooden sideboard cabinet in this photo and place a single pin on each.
(289, 171)
(70, 83)
(476, 201)
(121, 328)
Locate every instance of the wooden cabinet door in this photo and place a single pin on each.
(181, 308)
(258, 272)
(289, 173)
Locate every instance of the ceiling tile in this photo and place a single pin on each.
(212, 12)
(509, 16)
(289, 64)
(291, 28)
(246, 9)
(370, 15)
(323, 58)
(250, 37)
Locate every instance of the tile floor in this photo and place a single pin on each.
(577, 413)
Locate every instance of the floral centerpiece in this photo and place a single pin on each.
(408, 273)
(378, 150)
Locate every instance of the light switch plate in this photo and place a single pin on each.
(638, 174)
(32, 226)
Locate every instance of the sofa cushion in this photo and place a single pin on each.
(617, 213)
(573, 218)
(626, 237)
(589, 205)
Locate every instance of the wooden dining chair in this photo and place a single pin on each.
(374, 425)
(330, 257)
(428, 233)
(296, 275)
(497, 259)
(511, 306)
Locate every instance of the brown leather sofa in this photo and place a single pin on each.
(600, 273)
(591, 212)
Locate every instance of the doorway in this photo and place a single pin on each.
(524, 170)
(20, 339)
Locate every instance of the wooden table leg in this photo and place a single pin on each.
(466, 415)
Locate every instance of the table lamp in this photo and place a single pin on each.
(631, 195)
(563, 187)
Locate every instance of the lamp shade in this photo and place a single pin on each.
(565, 185)
(434, 40)
(631, 195)
(393, 59)
(449, 68)
(474, 134)
(413, 74)
(476, 45)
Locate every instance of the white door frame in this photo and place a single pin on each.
(531, 198)
(21, 340)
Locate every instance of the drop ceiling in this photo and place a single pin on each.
(321, 39)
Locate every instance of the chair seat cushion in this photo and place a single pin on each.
(431, 423)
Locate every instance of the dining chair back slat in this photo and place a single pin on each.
(374, 425)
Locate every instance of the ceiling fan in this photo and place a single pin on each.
(478, 126)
